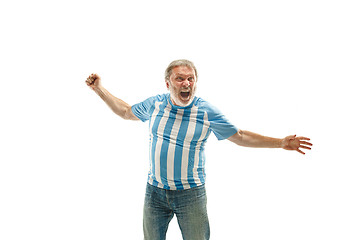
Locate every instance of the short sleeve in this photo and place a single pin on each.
(219, 124)
(143, 109)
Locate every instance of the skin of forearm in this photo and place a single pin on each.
(250, 139)
(117, 105)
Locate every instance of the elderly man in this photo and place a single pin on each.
(180, 124)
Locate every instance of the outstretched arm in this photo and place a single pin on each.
(118, 106)
(250, 139)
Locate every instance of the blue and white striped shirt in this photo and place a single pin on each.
(177, 139)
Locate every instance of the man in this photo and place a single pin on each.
(180, 124)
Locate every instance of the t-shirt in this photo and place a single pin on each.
(177, 139)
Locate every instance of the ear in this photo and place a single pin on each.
(167, 83)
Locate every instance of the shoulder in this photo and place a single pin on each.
(143, 109)
(206, 106)
(160, 97)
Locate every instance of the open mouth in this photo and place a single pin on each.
(185, 94)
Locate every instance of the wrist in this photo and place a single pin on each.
(281, 143)
(98, 89)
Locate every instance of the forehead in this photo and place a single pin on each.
(183, 70)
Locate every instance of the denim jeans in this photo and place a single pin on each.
(188, 205)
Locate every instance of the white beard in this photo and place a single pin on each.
(176, 99)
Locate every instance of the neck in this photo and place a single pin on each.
(179, 105)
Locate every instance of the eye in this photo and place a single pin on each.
(179, 79)
(191, 79)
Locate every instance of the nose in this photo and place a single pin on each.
(186, 83)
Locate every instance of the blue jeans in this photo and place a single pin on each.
(188, 205)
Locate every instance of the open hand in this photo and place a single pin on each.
(93, 81)
(294, 143)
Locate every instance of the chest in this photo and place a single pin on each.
(184, 125)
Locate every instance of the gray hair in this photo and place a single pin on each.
(176, 63)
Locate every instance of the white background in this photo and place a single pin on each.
(71, 169)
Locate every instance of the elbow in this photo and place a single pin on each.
(240, 138)
(237, 138)
(125, 114)
(122, 112)
(129, 115)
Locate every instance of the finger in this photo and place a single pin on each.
(304, 138)
(89, 82)
(292, 137)
(305, 147)
(306, 143)
(298, 150)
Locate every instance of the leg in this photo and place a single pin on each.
(192, 215)
(157, 214)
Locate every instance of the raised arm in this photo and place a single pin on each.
(117, 105)
(250, 139)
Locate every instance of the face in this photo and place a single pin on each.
(182, 85)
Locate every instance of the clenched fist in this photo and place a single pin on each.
(93, 81)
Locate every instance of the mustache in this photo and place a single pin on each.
(188, 89)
